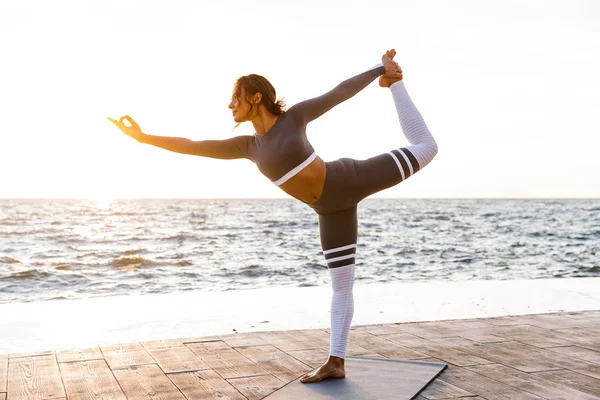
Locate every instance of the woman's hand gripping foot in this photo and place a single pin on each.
(393, 72)
(332, 369)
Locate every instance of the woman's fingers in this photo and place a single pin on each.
(117, 123)
(125, 118)
(131, 121)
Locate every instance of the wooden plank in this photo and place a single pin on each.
(481, 336)
(476, 330)
(531, 335)
(577, 332)
(123, 355)
(382, 345)
(572, 379)
(472, 324)
(548, 355)
(379, 329)
(589, 342)
(225, 361)
(3, 373)
(439, 389)
(92, 353)
(177, 359)
(308, 332)
(146, 382)
(286, 341)
(90, 380)
(482, 386)
(582, 314)
(432, 330)
(589, 369)
(207, 384)
(592, 324)
(161, 344)
(353, 349)
(544, 356)
(575, 314)
(550, 321)
(317, 338)
(2, 396)
(531, 383)
(28, 355)
(257, 387)
(513, 354)
(275, 361)
(200, 339)
(578, 352)
(245, 339)
(438, 350)
(506, 320)
(34, 378)
(311, 357)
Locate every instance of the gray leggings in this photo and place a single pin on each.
(347, 182)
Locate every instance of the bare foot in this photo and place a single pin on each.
(332, 369)
(388, 56)
(393, 72)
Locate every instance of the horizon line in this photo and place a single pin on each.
(289, 198)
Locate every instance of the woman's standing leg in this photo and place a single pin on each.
(338, 233)
(348, 182)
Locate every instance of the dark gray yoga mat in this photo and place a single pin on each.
(367, 379)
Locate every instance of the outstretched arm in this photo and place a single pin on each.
(236, 147)
(311, 109)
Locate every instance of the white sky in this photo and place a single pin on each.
(509, 89)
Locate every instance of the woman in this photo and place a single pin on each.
(282, 153)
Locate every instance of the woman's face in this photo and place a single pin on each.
(239, 106)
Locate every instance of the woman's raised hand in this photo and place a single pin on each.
(393, 72)
(133, 130)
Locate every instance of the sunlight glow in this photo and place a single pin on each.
(101, 202)
(505, 88)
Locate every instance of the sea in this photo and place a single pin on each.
(74, 249)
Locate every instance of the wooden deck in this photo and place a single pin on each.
(546, 356)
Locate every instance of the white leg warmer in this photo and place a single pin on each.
(423, 147)
(342, 308)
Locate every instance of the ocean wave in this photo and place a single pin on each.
(131, 261)
(74, 250)
(9, 260)
(178, 237)
(27, 274)
(13, 233)
(490, 214)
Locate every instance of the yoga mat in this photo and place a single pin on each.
(367, 379)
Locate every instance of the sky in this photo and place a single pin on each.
(509, 89)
